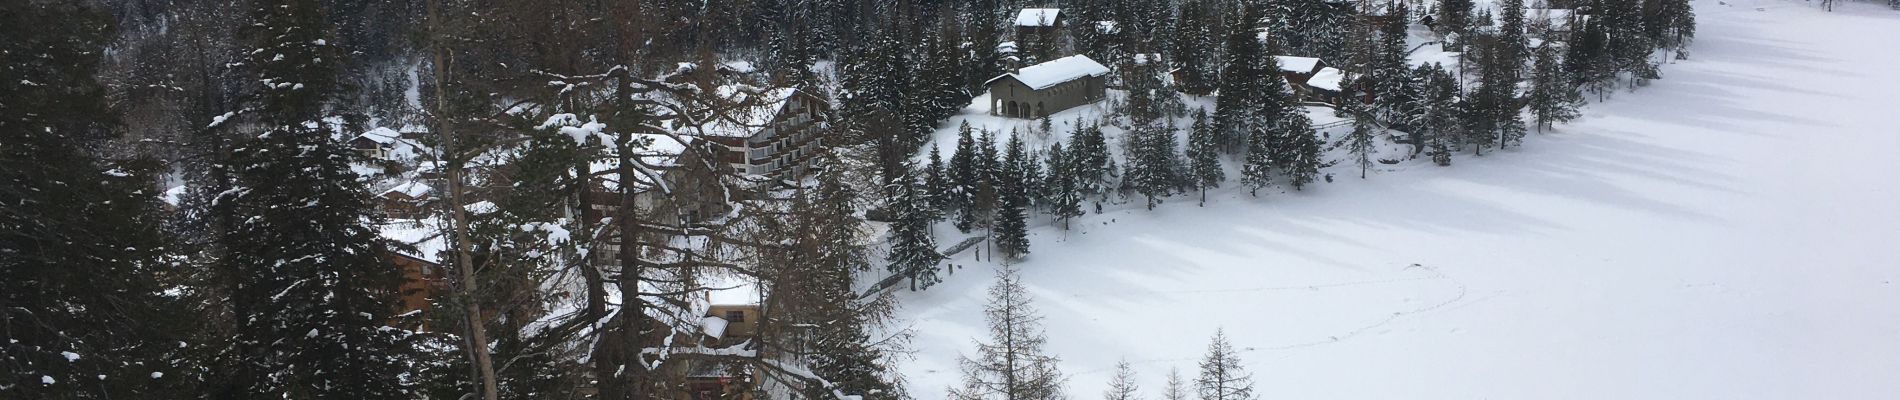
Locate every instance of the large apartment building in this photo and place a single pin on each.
(769, 133)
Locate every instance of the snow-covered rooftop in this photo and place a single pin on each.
(714, 327)
(411, 189)
(1328, 78)
(1037, 17)
(763, 106)
(725, 290)
(1302, 65)
(1044, 75)
(381, 135)
(422, 234)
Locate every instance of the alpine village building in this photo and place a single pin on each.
(1039, 90)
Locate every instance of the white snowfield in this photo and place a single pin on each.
(1726, 233)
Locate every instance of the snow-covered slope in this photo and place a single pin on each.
(1726, 233)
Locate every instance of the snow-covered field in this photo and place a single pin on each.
(1726, 233)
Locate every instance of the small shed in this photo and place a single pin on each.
(1040, 90)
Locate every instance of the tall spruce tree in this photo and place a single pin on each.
(1454, 16)
(80, 251)
(1012, 364)
(1513, 46)
(1063, 192)
(1152, 160)
(1393, 86)
(1672, 24)
(1011, 230)
(1222, 376)
(1204, 169)
(914, 248)
(313, 289)
(1587, 59)
(964, 179)
(1093, 168)
(937, 184)
(1360, 142)
(1303, 148)
(1196, 46)
(1554, 97)
(1256, 170)
(1245, 69)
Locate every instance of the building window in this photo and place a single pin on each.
(735, 316)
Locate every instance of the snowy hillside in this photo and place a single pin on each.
(1722, 234)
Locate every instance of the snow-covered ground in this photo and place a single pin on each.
(1726, 233)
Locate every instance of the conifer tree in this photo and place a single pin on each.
(814, 306)
(1256, 171)
(1440, 113)
(914, 248)
(1151, 162)
(1122, 386)
(1303, 149)
(1222, 376)
(1196, 45)
(1093, 167)
(1065, 196)
(1628, 46)
(1011, 228)
(1672, 24)
(1204, 169)
(1245, 69)
(965, 179)
(82, 313)
(1588, 61)
(1454, 16)
(314, 290)
(1495, 117)
(1360, 141)
(1176, 388)
(1012, 364)
(987, 164)
(1554, 98)
(937, 184)
(1317, 28)
(1393, 84)
(1513, 46)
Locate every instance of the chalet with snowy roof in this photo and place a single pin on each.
(1039, 90)
(375, 144)
(406, 201)
(730, 314)
(1038, 21)
(1298, 70)
(1327, 85)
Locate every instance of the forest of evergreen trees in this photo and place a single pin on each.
(268, 276)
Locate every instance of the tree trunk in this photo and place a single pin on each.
(458, 217)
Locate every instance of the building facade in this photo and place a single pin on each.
(1039, 90)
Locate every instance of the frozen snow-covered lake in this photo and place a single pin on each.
(1726, 233)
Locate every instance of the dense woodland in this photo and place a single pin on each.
(267, 275)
